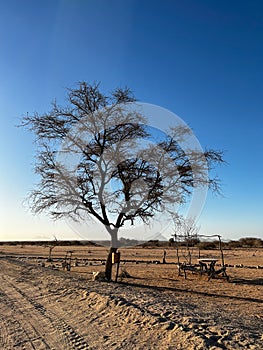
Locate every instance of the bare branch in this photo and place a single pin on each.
(119, 175)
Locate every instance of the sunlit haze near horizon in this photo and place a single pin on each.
(202, 60)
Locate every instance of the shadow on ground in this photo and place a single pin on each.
(200, 293)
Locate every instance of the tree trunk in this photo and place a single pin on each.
(49, 255)
(113, 249)
(108, 267)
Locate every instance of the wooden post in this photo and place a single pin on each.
(221, 250)
(108, 267)
(223, 261)
(118, 257)
(164, 257)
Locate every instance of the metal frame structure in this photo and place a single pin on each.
(204, 266)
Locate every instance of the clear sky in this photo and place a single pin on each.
(203, 60)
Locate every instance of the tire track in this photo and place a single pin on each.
(5, 342)
(16, 334)
(38, 327)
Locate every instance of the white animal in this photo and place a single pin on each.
(99, 276)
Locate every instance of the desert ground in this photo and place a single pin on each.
(43, 306)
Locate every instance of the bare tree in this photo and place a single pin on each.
(185, 233)
(51, 245)
(106, 166)
(186, 229)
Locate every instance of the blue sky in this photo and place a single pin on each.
(203, 60)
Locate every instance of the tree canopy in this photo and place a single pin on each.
(96, 156)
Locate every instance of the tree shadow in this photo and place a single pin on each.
(194, 292)
(255, 282)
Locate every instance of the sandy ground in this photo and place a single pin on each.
(45, 308)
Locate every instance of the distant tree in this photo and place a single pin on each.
(233, 244)
(171, 242)
(116, 180)
(51, 245)
(251, 242)
(185, 234)
(185, 230)
(206, 245)
(126, 242)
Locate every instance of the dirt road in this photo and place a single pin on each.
(42, 308)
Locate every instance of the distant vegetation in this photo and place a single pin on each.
(48, 243)
(247, 242)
